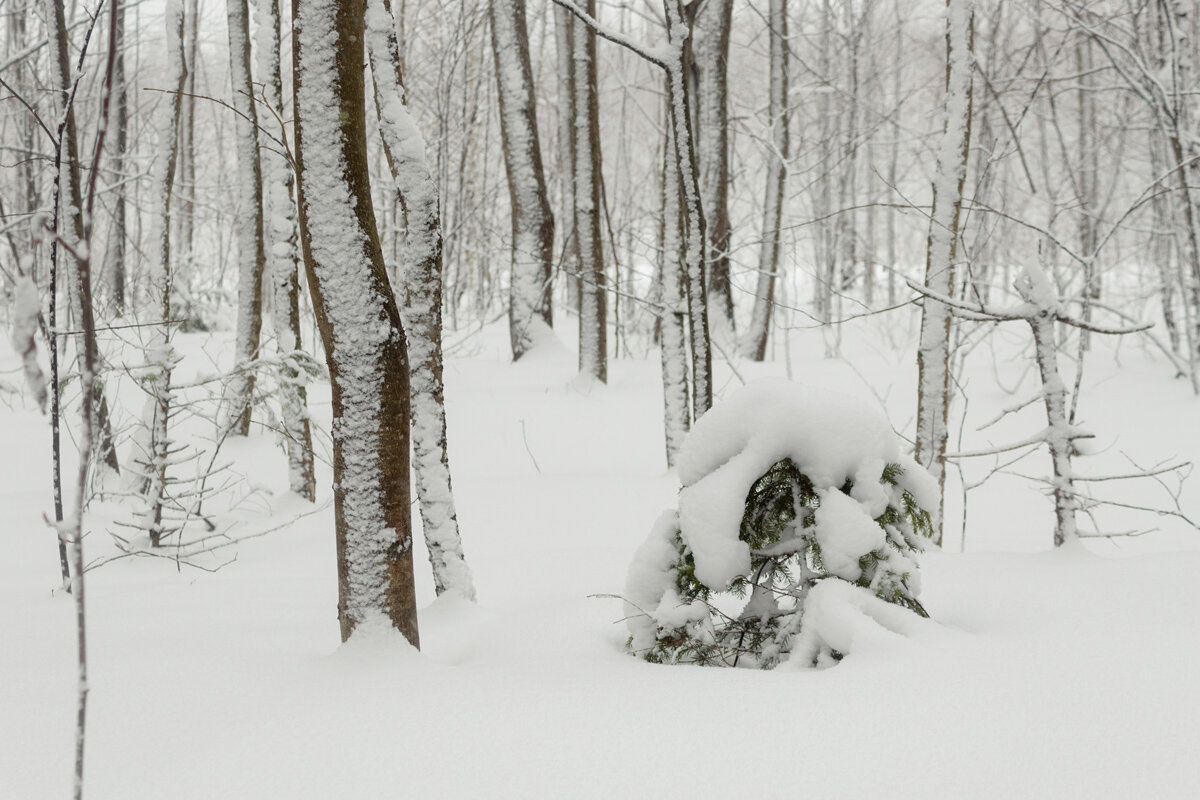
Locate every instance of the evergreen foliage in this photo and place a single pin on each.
(705, 625)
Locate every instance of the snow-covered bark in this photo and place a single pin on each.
(358, 318)
(421, 266)
(755, 343)
(933, 354)
(677, 58)
(710, 72)
(589, 247)
(159, 356)
(251, 257)
(673, 316)
(532, 223)
(280, 244)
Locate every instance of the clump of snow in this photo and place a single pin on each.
(785, 488)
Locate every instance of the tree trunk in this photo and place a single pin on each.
(933, 354)
(710, 90)
(421, 265)
(281, 228)
(251, 256)
(589, 247)
(564, 50)
(532, 223)
(358, 319)
(676, 419)
(768, 255)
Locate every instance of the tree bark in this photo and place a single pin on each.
(358, 319)
(589, 247)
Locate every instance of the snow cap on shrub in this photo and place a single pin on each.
(831, 437)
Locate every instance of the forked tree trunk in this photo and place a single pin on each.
(251, 256)
(530, 277)
(421, 266)
(358, 319)
(933, 354)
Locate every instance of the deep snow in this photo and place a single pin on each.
(1041, 675)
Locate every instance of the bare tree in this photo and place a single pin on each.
(358, 318)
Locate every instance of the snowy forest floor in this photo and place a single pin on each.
(1043, 674)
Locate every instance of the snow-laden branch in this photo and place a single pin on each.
(649, 54)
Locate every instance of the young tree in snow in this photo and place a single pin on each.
(358, 319)
(422, 310)
(532, 223)
(755, 343)
(160, 358)
(251, 256)
(673, 314)
(280, 221)
(933, 353)
(802, 501)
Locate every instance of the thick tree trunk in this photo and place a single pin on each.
(280, 216)
(421, 265)
(532, 223)
(358, 318)
(933, 354)
(755, 346)
(251, 256)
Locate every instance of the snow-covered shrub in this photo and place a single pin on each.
(785, 488)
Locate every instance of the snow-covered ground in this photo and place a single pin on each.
(1042, 674)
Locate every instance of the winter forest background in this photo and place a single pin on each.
(894, 307)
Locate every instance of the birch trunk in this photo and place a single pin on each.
(529, 310)
(358, 319)
(564, 50)
(421, 265)
(933, 354)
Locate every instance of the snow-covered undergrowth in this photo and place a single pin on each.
(787, 490)
(1048, 674)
